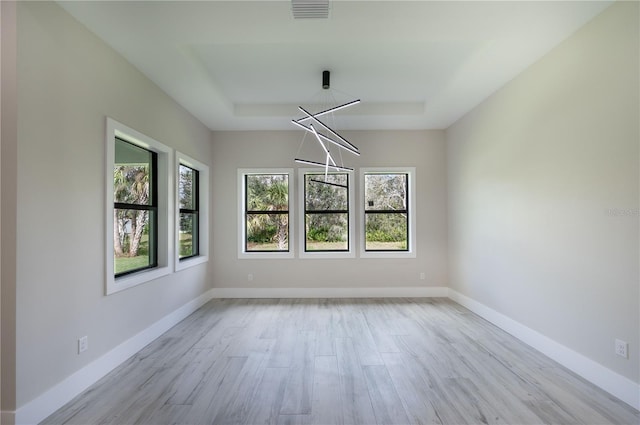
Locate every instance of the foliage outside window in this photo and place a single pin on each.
(135, 208)
(326, 212)
(386, 211)
(189, 206)
(266, 215)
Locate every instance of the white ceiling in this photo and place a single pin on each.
(415, 65)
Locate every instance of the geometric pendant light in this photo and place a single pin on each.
(326, 136)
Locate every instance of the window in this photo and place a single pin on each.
(388, 223)
(326, 220)
(135, 208)
(137, 216)
(188, 212)
(266, 219)
(192, 206)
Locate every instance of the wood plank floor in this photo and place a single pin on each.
(340, 361)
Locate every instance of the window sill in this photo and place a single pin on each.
(257, 255)
(190, 262)
(323, 255)
(387, 254)
(120, 284)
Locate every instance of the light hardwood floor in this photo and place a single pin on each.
(340, 361)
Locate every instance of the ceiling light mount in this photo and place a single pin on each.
(326, 76)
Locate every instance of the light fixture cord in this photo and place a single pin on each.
(331, 101)
(304, 136)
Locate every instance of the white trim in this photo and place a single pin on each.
(165, 207)
(610, 381)
(382, 292)
(7, 417)
(411, 253)
(39, 408)
(256, 255)
(351, 253)
(203, 213)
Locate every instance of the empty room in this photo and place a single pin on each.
(320, 212)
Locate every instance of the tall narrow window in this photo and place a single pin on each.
(189, 218)
(135, 208)
(191, 226)
(326, 212)
(266, 212)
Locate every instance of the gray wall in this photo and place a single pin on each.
(68, 82)
(543, 194)
(424, 150)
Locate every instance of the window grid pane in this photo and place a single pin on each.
(267, 192)
(267, 232)
(134, 240)
(387, 192)
(323, 194)
(327, 232)
(386, 231)
(188, 235)
(188, 182)
(132, 174)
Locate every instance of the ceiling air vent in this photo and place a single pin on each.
(305, 9)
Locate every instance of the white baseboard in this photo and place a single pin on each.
(7, 417)
(610, 381)
(386, 292)
(38, 409)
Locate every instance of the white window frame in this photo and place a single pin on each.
(242, 253)
(165, 207)
(351, 253)
(411, 252)
(203, 212)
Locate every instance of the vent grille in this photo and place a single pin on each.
(310, 9)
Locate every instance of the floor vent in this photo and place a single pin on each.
(305, 9)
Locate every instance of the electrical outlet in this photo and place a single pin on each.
(83, 344)
(250, 277)
(622, 348)
(423, 276)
